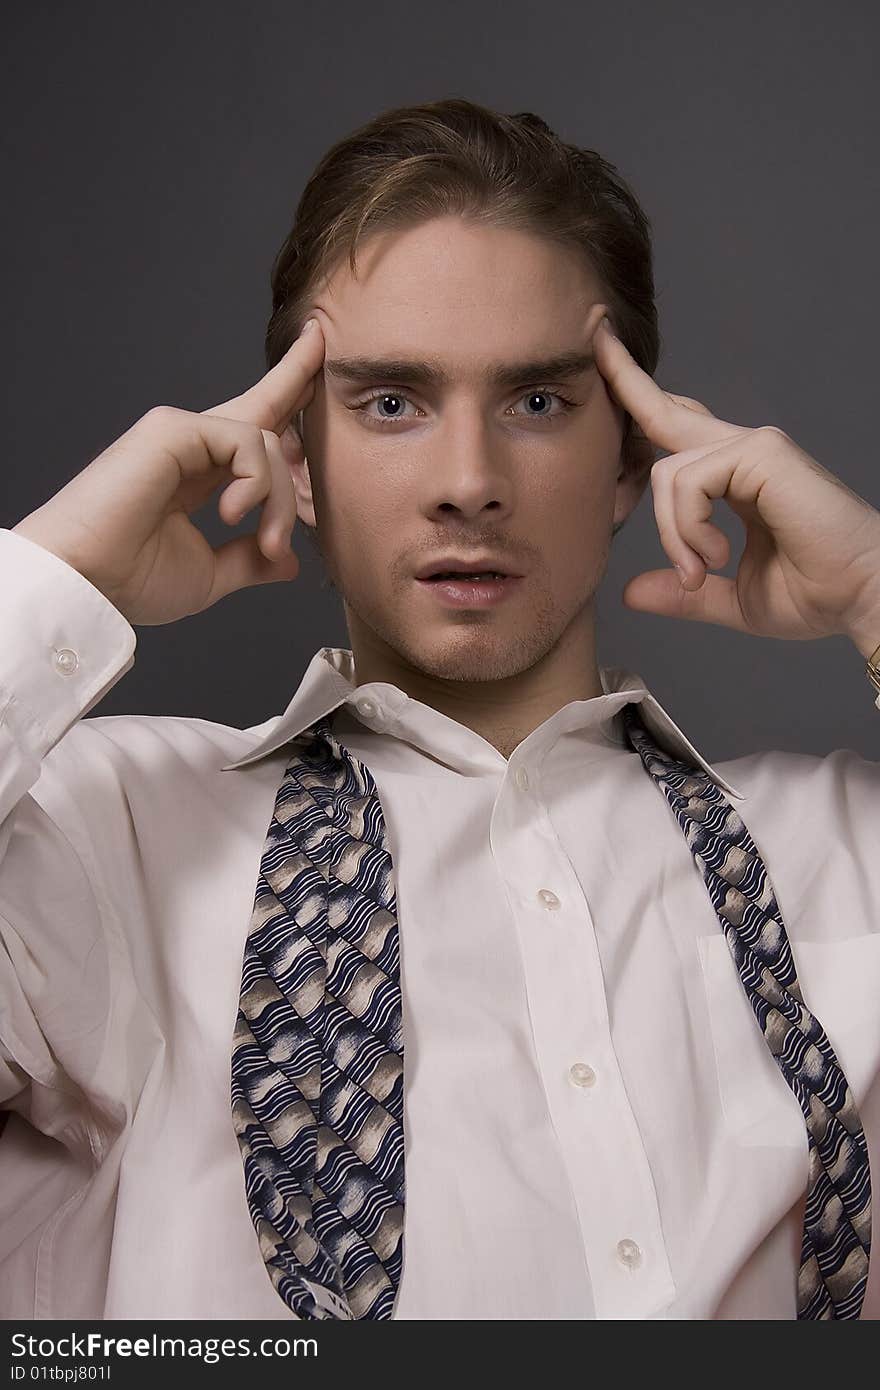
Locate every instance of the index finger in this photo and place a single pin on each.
(273, 401)
(664, 420)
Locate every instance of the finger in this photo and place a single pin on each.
(279, 509)
(240, 563)
(236, 448)
(267, 484)
(659, 592)
(683, 510)
(685, 487)
(206, 449)
(285, 389)
(664, 419)
(690, 403)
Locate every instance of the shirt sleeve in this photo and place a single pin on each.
(63, 645)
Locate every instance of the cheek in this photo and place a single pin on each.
(575, 507)
(363, 513)
(577, 482)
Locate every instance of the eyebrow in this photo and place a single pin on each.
(370, 370)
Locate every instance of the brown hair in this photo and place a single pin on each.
(412, 163)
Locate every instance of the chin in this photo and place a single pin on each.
(467, 652)
(475, 656)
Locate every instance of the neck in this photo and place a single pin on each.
(504, 711)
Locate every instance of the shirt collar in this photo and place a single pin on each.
(329, 682)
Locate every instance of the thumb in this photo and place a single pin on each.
(240, 564)
(661, 592)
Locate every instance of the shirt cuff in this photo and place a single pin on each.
(63, 645)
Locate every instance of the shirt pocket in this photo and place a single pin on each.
(840, 983)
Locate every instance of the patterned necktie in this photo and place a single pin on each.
(837, 1222)
(317, 1065)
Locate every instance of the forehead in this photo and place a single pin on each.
(459, 290)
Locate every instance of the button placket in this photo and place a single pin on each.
(599, 1136)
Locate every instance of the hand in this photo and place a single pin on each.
(123, 521)
(811, 562)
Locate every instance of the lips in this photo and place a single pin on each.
(452, 567)
(470, 590)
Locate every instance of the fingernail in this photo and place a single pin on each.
(308, 325)
(608, 325)
(680, 574)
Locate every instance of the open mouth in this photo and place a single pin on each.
(470, 589)
(464, 575)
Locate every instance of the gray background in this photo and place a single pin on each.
(153, 156)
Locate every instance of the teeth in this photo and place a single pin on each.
(471, 577)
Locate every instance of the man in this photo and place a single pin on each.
(595, 1126)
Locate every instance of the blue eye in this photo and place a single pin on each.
(530, 396)
(387, 398)
(394, 401)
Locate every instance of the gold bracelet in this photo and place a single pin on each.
(872, 668)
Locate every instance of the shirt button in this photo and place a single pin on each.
(522, 779)
(582, 1075)
(629, 1254)
(365, 707)
(65, 661)
(548, 899)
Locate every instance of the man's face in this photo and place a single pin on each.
(404, 471)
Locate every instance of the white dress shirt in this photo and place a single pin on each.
(595, 1127)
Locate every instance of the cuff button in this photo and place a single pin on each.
(65, 661)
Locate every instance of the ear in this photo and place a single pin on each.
(302, 485)
(637, 457)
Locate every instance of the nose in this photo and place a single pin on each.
(466, 472)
